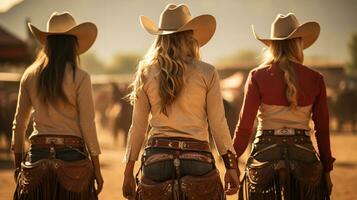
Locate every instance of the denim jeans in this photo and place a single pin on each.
(65, 154)
(302, 152)
(165, 170)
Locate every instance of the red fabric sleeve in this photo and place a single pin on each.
(320, 116)
(251, 103)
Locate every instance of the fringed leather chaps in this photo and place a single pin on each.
(207, 187)
(180, 187)
(56, 180)
(283, 171)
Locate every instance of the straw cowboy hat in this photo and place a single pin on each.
(288, 27)
(177, 18)
(64, 24)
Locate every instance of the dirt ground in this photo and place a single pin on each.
(344, 175)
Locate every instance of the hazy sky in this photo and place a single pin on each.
(5, 5)
(120, 31)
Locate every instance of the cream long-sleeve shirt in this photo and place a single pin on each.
(198, 107)
(61, 119)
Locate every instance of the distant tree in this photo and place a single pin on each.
(353, 53)
(245, 55)
(124, 63)
(91, 63)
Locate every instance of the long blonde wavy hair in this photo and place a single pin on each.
(171, 53)
(283, 53)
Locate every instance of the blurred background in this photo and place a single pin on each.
(233, 50)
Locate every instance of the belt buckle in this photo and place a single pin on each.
(54, 140)
(284, 131)
(177, 162)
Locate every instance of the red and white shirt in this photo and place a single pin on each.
(265, 95)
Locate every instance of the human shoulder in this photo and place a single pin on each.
(30, 72)
(151, 71)
(81, 74)
(307, 69)
(205, 70)
(309, 73)
(260, 70)
(204, 67)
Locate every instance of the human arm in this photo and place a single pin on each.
(21, 120)
(251, 103)
(136, 138)
(320, 116)
(87, 124)
(221, 135)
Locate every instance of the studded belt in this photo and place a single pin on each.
(177, 144)
(58, 141)
(184, 156)
(282, 140)
(284, 132)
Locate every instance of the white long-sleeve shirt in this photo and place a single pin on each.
(198, 107)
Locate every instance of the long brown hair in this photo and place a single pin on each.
(171, 53)
(59, 51)
(283, 52)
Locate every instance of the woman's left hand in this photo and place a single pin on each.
(231, 181)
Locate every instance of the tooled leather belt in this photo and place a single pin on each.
(189, 145)
(291, 140)
(283, 137)
(185, 156)
(46, 141)
(285, 132)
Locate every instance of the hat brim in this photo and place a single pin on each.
(309, 32)
(203, 27)
(86, 34)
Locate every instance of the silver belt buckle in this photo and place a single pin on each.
(177, 162)
(54, 140)
(284, 131)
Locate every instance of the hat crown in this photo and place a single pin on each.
(174, 16)
(284, 25)
(60, 22)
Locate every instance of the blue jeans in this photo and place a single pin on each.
(65, 154)
(165, 170)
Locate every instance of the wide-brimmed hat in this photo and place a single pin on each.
(287, 27)
(64, 24)
(177, 18)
